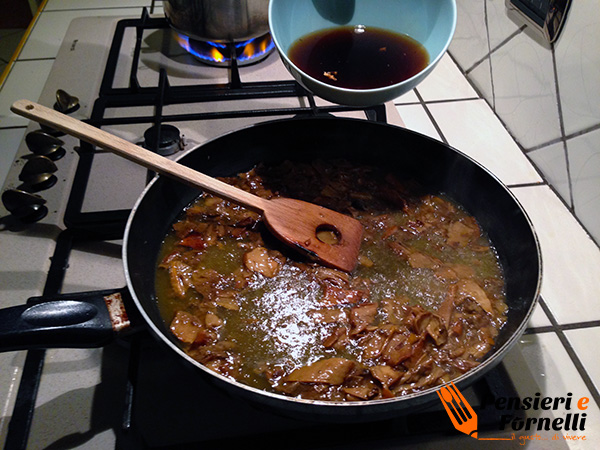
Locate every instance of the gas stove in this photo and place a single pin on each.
(132, 77)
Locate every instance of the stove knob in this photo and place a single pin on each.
(66, 103)
(51, 131)
(38, 172)
(44, 144)
(24, 206)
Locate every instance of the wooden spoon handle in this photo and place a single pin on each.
(135, 153)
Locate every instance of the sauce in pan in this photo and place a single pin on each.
(423, 306)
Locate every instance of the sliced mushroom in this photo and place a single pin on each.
(470, 289)
(325, 371)
(258, 260)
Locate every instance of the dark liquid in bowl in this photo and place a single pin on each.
(359, 57)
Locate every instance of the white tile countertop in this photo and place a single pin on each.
(557, 354)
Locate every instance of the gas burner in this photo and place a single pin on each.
(219, 53)
(169, 139)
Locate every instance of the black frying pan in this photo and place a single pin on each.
(407, 153)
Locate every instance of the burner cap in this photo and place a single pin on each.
(170, 139)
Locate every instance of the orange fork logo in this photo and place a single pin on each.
(461, 414)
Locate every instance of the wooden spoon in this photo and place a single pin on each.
(294, 222)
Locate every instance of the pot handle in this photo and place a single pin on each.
(79, 320)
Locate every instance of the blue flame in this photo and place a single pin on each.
(252, 49)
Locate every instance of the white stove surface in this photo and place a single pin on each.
(76, 407)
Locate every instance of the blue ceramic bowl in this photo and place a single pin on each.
(430, 22)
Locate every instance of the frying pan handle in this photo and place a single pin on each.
(80, 320)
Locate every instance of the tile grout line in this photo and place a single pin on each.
(496, 48)
(565, 327)
(46, 58)
(417, 103)
(559, 330)
(431, 118)
(539, 330)
(489, 57)
(561, 123)
(524, 185)
(481, 96)
(545, 183)
(14, 127)
(450, 100)
(575, 134)
(579, 325)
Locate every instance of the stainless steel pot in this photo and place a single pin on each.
(218, 20)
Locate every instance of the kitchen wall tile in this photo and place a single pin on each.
(445, 82)
(552, 162)
(44, 41)
(415, 118)
(471, 127)
(10, 139)
(539, 318)
(26, 80)
(500, 23)
(540, 364)
(584, 163)
(585, 343)
(569, 287)
(522, 88)
(469, 43)
(409, 97)
(481, 77)
(578, 67)
(525, 91)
